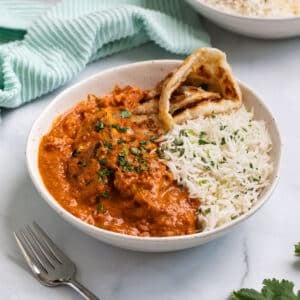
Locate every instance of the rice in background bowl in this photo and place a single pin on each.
(255, 25)
(258, 8)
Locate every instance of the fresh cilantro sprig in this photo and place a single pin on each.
(297, 249)
(273, 289)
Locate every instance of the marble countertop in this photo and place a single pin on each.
(261, 248)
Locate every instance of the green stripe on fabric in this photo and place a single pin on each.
(9, 35)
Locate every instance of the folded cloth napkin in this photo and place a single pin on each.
(55, 42)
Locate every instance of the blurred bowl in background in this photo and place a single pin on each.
(258, 27)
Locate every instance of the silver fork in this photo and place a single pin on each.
(47, 262)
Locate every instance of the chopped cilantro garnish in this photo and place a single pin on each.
(203, 159)
(251, 165)
(99, 126)
(140, 159)
(104, 194)
(207, 211)
(203, 142)
(103, 161)
(181, 151)
(223, 141)
(202, 134)
(103, 173)
(107, 145)
(124, 163)
(121, 141)
(222, 127)
(137, 169)
(191, 132)
(135, 151)
(160, 152)
(223, 161)
(207, 153)
(143, 149)
(101, 208)
(213, 115)
(119, 128)
(144, 142)
(126, 151)
(198, 211)
(153, 138)
(125, 114)
(183, 132)
(178, 142)
(202, 181)
(144, 167)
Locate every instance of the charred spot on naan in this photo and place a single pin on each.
(189, 96)
(205, 108)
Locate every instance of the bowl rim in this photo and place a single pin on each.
(249, 18)
(77, 222)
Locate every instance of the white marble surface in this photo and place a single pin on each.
(261, 248)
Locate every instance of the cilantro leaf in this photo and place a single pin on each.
(125, 114)
(119, 128)
(100, 208)
(297, 249)
(99, 126)
(273, 289)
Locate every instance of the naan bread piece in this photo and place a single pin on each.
(206, 68)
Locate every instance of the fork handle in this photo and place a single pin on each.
(83, 291)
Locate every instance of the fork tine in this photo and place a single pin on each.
(57, 253)
(35, 251)
(42, 247)
(31, 260)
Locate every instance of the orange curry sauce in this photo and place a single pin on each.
(102, 167)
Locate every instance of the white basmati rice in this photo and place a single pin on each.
(223, 160)
(260, 8)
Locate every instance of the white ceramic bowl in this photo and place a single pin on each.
(258, 27)
(144, 75)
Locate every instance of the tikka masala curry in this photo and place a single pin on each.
(102, 164)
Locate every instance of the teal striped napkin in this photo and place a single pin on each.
(44, 46)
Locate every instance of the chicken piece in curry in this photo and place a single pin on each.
(102, 164)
